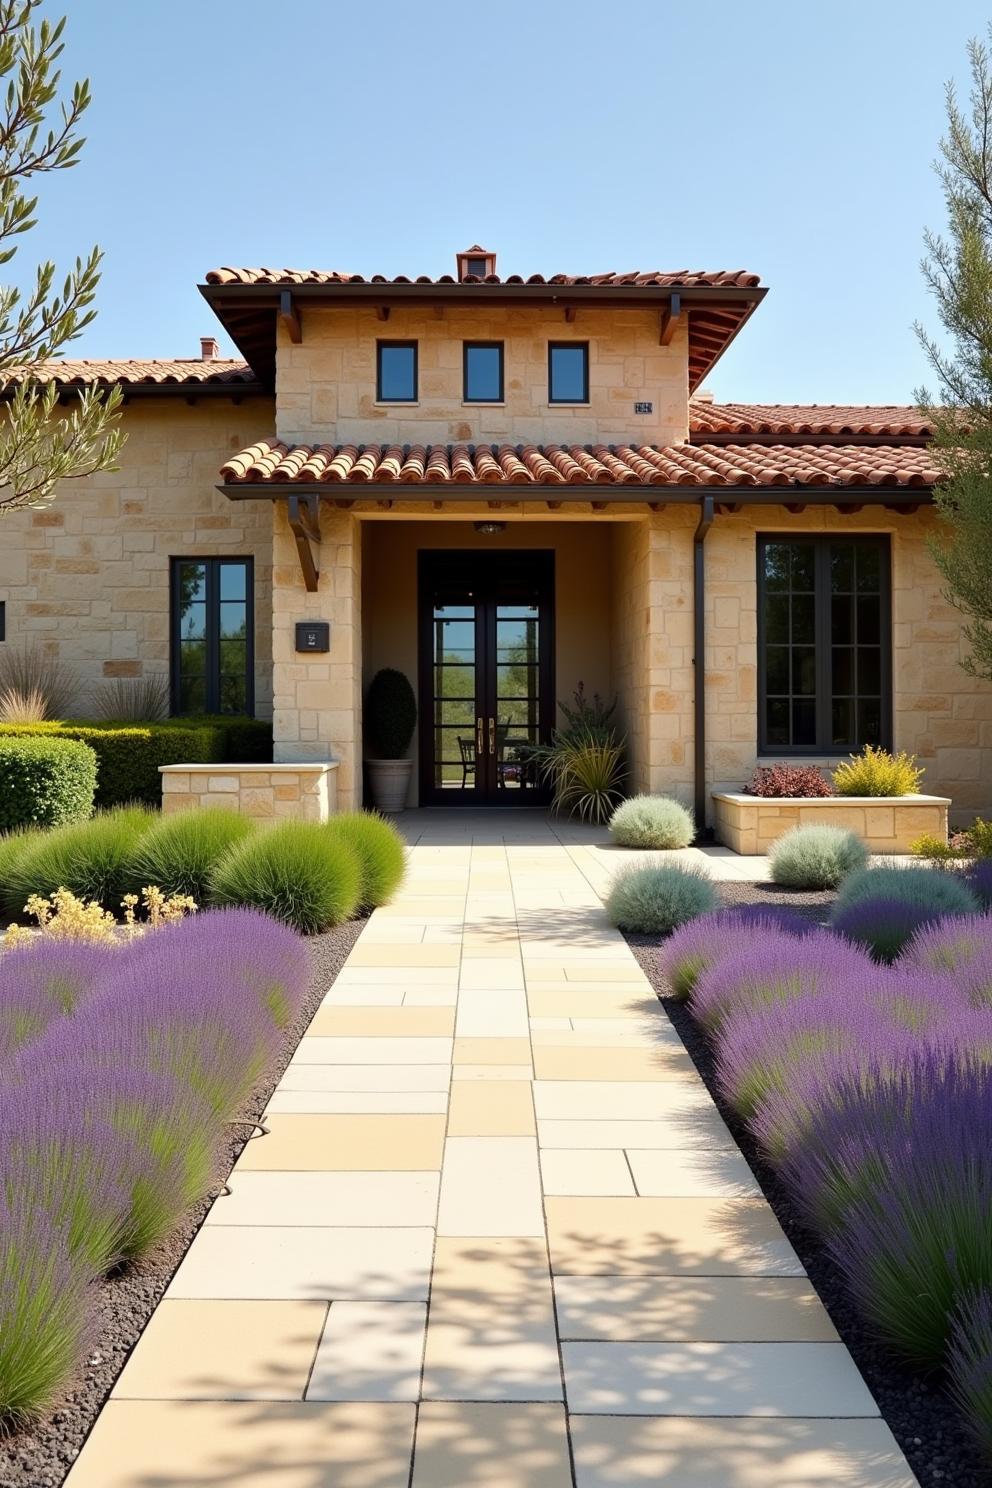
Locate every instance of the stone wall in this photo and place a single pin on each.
(326, 385)
(317, 700)
(265, 792)
(88, 576)
(750, 824)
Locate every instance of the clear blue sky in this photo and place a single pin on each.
(789, 138)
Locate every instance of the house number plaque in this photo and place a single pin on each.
(644, 408)
(313, 635)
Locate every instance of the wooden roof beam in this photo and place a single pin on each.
(670, 320)
(289, 317)
(304, 523)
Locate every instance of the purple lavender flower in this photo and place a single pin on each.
(919, 1240)
(883, 926)
(979, 880)
(949, 943)
(778, 968)
(704, 941)
(45, 1312)
(42, 981)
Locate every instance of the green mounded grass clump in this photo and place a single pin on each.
(178, 854)
(924, 888)
(298, 872)
(380, 852)
(657, 898)
(652, 822)
(816, 857)
(88, 858)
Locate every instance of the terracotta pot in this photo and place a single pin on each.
(389, 783)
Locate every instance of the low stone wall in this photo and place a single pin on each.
(887, 824)
(304, 790)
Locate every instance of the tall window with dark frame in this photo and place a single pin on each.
(396, 372)
(212, 635)
(482, 371)
(568, 372)
(824, 644)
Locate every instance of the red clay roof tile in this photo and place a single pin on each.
(159, 372)
(673, 278)
(884, 420)
(274, 463)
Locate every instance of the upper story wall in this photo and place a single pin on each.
(326, 384)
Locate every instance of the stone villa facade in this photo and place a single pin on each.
(505, 487)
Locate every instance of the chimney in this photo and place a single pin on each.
(209, 349)
(703, 396)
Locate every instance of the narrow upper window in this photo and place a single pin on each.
(396, 372)
(568, 372)
(212, 635)
(482, 363)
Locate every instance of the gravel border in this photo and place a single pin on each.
(918, 1411)
(40, 1455)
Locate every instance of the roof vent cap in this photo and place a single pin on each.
(475, 263)
(704, 396)
(209, 349)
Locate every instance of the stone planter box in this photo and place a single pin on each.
(306, 790)
(887, 824)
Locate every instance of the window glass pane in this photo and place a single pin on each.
(483, 374)
(568, 374)
(777, 721)
(233, 619)
(232, 694)
(192, 583)
(869, 569)
(234, 581)
(842, 660)
(193, 658)
(804, 723)
(803, 567)
(777, 669)
(842, 721)
(804, 670)
(842, 620)
(776, 566)
(869, 721)
(777, 619)
(869, 620)
(869, 671)
(802, 620)
(397, 374)
(841, 568)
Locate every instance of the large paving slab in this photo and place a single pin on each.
(497, 1234)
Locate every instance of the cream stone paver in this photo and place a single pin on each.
(193, 1444)
(214, 1350)
(473, 1445)
(491, 1154)
(706, 1309)
(330, 1198)
(498, 1108)
(370, 1351)
(700, 1452)
(492, 1324)
(356, 1143)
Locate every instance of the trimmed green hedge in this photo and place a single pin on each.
(45, 782)
(129, 755)
(247, 741)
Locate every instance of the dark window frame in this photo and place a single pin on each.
(468, 346)
(212, 563)
(413, 346)
(822, 643)
(582, 346)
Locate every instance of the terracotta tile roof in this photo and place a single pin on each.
(889, 420)
(175, 371)
(275, 463)
(674, 278)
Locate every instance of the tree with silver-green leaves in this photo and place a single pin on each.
(42, 443)
(958, 271)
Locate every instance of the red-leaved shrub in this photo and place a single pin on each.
(788, 780)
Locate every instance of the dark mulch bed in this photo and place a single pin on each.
(40, 1456)
(919, 1413)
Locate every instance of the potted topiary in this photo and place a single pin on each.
(390, 719)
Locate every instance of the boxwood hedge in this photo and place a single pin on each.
(45, 782)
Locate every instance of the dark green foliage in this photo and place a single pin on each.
(390, 715)
(45, 782)
(129, 756)
(379, 849)
(90, 858)
(298, 872)
(246, 741)
(178, 853)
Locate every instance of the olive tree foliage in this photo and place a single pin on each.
(958, 271)
(40, 443)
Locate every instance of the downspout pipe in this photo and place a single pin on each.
(707, 512)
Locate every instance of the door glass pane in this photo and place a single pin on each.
(518, 702)
(453, 707)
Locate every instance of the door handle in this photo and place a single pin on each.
(479, 747)
(492, 736)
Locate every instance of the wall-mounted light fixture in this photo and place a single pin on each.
(489, 529)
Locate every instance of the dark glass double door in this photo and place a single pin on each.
(486, 683)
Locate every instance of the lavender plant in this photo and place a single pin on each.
(949, 943)
(969, 1364)
(704, 941)
(884, 926)
(929, 888)
(780, 968)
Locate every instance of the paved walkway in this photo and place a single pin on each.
(498, 1235)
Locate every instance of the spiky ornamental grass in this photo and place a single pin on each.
(920, 1241)
(179, 852)
(296, 871)
(781, 967)
(816, 857)
(658, 898)
(884, 926)
(969, 1364)
(703, 942)
(928, 888)
(380, 852)
(45, 1315)
(89, 858)
(652, 822)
